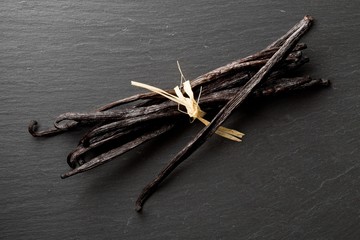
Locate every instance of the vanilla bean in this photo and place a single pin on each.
(112, 132)
(280, 41)
(281, 86)
(242, 77)
(314, 83)
(74, 157)
(171, 113)
(119, 135)
(276, 87)
(108, 156)
(208, 102)
(257, 59)
(133, 116)
(211, 102)
(209, 130)
(33, 130)
(232, 68)
(199, 81)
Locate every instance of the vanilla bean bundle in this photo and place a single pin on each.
(117, 128)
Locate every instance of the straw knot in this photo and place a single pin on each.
(192, 106)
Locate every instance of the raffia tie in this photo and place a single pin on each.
(191, 105)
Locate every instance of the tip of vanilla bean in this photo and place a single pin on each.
(68, 174)
(308, 17)
(32, 127)
(63, 176)
(138, 208)
(325, 82)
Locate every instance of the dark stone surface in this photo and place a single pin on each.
(296, 175)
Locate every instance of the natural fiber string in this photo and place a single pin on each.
(191, 105)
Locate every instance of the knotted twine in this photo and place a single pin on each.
(192, 106)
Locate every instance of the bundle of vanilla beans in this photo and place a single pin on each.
(119, 126)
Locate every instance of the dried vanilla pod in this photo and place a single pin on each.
(121, 127)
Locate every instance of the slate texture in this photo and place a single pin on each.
(295, 175)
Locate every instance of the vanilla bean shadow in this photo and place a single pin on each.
(122, 125)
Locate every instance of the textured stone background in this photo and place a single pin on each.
(296, 175)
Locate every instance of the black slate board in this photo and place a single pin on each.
(296, 175)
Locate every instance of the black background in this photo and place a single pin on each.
(295, 175)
